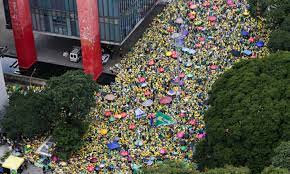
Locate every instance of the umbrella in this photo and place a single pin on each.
(184, 49)
(103, 131)
(152, 115)
(174, 54)
(139, 113)
(181, 83)
(191, 51)
(124, 153)
(123, 114)
(141, 79)
(260, 44)
(118, 116)
(198, 23)
(193, 6)
(192, 122)
(236, 53)
(163, 151)
(212, 18)
(213, 67)
(132, 126)
(245, 33)
(113, 145)
(171, 92)
(201, 39)
(165, 100)
(143, 84)
(112, 119)
(168, 53)
(138, 142)
(110, 97)
(180, 134)
(183, 148)
(93, 160)
(251, 39)
(181, 75)
(151, 62)
(185, 32)
(247, 52)
(147, 93)
(161, 70)
(108, 113)
(179, 21)
(90, 168)
(147, 102)
(190, 75)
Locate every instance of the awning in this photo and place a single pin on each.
(13, 162)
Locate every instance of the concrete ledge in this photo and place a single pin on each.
(14, 78)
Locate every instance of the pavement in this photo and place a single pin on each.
(50, 49)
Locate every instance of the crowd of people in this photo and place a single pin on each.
(170, 71)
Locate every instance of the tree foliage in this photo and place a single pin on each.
(171, 167)
(281, 156)
(72, 95)
(64, 106)
(68, 139)
(249, 114)
(229, 170)
(279, 40)
(27, 115)
(275, 170)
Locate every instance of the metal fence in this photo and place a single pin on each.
(117, 17)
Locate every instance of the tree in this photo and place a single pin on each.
(170, 167)
(281, 156)
(73, 98)
(72, 95)
(229, 170)
(279, 40)
(68, 139)
(286, 24)
(27, 115)
(248, 114)
(275, 170)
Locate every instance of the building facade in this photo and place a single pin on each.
(3, 92)
(91, 21)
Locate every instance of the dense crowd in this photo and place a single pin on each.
(169, 71)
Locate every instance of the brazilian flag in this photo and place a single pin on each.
(163, 119)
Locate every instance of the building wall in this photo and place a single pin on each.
(3, 93)
(117, 17)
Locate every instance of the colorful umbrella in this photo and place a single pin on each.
(165, 100)
(108, 113)
(171, 92)
(163, 151)
(110, 97)
(141, 79)
(90, 168)
(132, 126)
(179, 21)
(103, 131)
(180, 134)
(124, 153)
(212, 18)
(147, 103)
(260, 44)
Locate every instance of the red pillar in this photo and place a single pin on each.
(22, 30)
(88, 16)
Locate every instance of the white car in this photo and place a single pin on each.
(105, 58)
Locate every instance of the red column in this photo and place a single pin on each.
(22, 30)
(88, 16)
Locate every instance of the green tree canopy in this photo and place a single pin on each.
(72, 95)
(282, 156)
(279, 40)
(27, 115)
(249, 114)
(171, 167)
(229, 170)
(275, 170)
